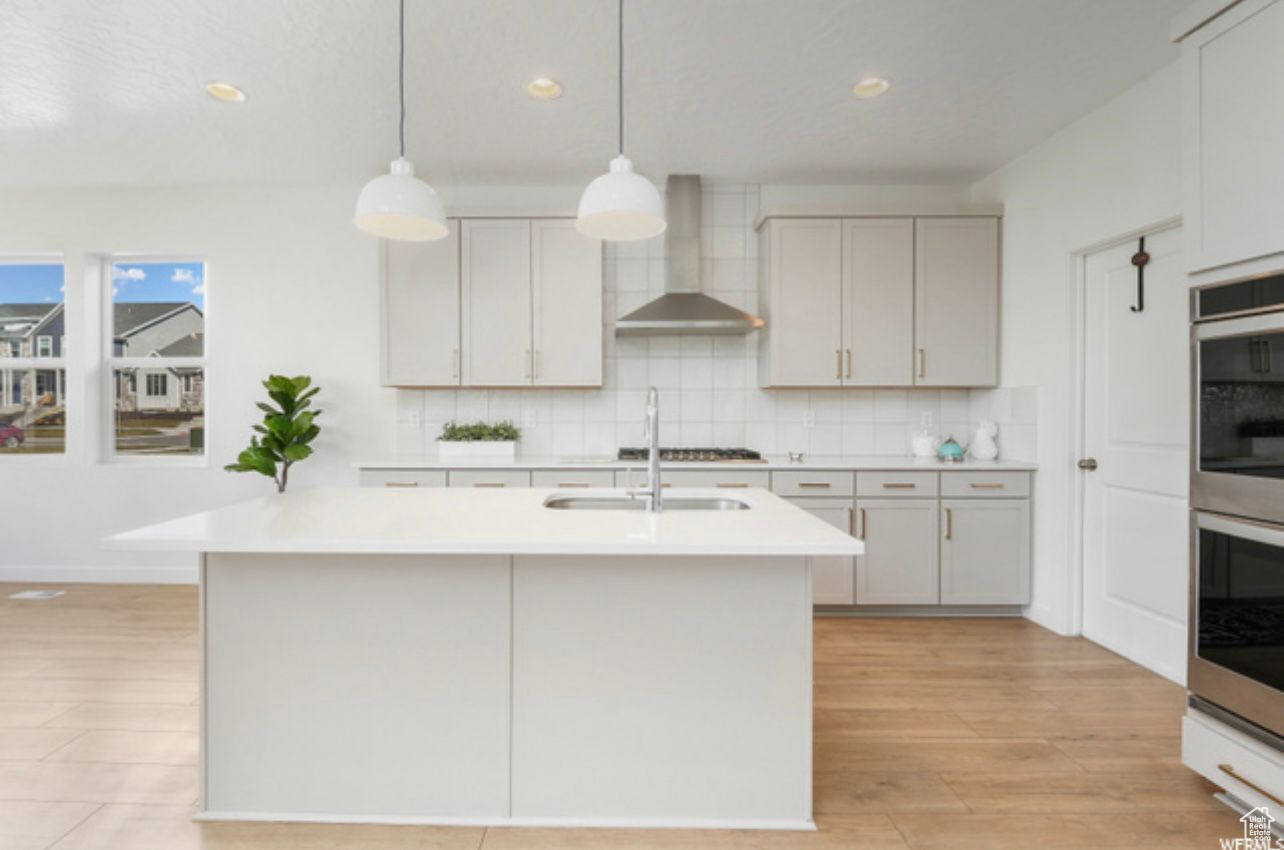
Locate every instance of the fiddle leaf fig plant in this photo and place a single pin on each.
(284, 437)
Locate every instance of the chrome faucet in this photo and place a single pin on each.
(652, 489)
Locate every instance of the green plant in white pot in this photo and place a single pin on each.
(496, 441)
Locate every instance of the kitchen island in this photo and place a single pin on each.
(476, 657)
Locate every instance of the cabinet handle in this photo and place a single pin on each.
(838, 363)
(574, 484)
(489, 484)
(535, 368)
(1229, 770)
(849, 362)
(822, 484)
(526, 364)
(864, 525)
(922, 363)
(454, 363)
(949, 524)
(732, 484)
(987, 485)
(851, 521)
(898, 485)
(401, 483)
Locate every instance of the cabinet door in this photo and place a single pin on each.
(805, 315)
(1233, 136)
(956, 302)
(878, 301)
(495, 275)
(901, 564)
(985, 552)
(421, 312)
(831, 576)
(566, 286)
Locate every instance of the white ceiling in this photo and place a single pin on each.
(110, 93)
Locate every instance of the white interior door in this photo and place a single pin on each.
(1136, 379)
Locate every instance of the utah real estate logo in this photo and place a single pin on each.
(1257, 833)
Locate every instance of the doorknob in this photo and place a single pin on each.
(1088, 463)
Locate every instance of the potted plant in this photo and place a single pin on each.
(286, 433)
(479, 440)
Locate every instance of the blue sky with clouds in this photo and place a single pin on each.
(34, 283)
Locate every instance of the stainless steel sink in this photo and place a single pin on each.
(624, 503)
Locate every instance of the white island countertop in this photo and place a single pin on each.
(490, 521)
(867, 463)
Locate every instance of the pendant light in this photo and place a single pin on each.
(399, 205)
(621, 205)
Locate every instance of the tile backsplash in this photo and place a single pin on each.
(708, 385)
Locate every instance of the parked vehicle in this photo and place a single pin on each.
(11, 436)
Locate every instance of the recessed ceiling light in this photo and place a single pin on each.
(870, 87)
(542, 88)
(225, 92)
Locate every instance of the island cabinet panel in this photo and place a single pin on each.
(985, 551)
(420, 345)
(359, 686)
(1233, 97)
(662, 691)
(956, 302)
(901, 561)
(495, 263)
(832, 576)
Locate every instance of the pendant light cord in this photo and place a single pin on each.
(620, 90)
(401, 74)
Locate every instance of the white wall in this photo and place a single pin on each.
(292, 289)
(1114, 171)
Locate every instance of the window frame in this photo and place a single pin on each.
(35, 363)
(113, 363)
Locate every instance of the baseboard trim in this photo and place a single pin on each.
(502, 821)
(98, 575)
(923, 611)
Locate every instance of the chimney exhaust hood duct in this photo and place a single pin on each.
(683, 309)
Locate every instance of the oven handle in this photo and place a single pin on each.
(1244, 326)
(1271, 535)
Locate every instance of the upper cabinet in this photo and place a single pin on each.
(1233, 93)
(895, 301)
(956, 302)
(500, 302)
(419, 346)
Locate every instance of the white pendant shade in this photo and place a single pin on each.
(621, 206)
(400, 206)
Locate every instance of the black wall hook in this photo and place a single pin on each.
(1139, 260)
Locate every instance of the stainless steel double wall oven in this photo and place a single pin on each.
(1236, 658)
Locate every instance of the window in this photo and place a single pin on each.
(156, 330)
(33, 375)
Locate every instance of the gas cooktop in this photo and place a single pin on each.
(696, 455)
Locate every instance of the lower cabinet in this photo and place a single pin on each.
(832, 578)
(900, 564)
(985, 551)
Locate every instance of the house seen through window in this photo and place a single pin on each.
(157, 333)
(33, 374)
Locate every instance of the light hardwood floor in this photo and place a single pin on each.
(929, 734)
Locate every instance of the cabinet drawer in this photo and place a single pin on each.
(822, 483)
(1228, 758)
(730, 478)
(893, 484)
(402, 478)
(962, 485)
(490, 478)
(572, 478)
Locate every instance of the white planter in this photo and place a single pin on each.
(477, 450)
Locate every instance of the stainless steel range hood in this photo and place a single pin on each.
(683, 309)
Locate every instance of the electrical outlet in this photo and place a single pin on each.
(413, 419)
(809, 419)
